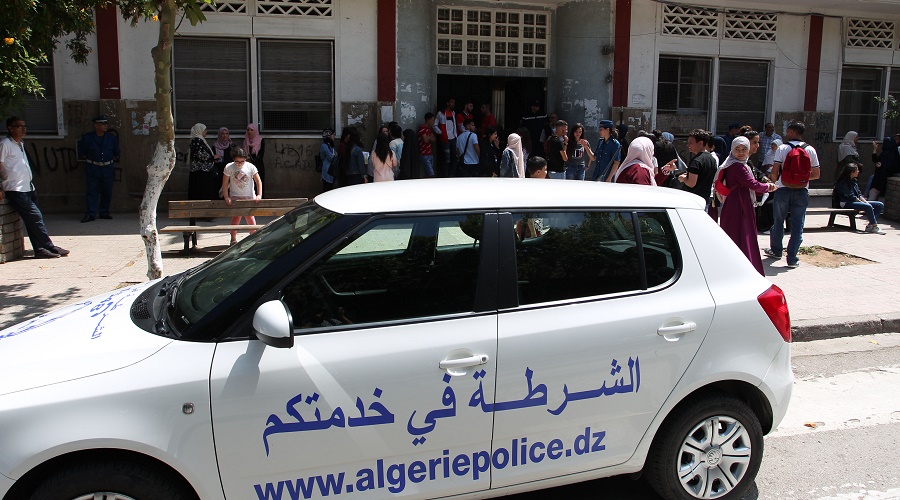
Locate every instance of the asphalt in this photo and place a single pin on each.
(105, 254)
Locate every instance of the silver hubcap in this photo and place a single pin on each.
(104, 496)
(714, 457)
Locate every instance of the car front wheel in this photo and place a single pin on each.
(110, 481)
(709, 448)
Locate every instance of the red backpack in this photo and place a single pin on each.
(796, 167)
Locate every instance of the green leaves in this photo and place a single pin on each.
(30, 31)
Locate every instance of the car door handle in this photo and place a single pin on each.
(449, 364)
(686, 327)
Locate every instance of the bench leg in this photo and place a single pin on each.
(852, 221)
(831, 219)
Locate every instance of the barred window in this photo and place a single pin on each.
(683, 97)
(748, 80)
(296, 82)
(40, 111)
(211, 82)
(858, 110)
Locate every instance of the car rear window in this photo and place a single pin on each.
(570, 255)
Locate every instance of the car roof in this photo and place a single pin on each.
(491, 193)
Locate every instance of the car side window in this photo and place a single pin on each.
(661, 255)
(569, 255)
(392, 269)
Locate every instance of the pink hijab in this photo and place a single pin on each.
(255, 143)
(640, 152)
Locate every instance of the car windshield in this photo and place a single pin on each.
(202, 289)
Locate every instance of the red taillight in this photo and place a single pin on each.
(774, 304)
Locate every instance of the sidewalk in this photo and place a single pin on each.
(824, 302)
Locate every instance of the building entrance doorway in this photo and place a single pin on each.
(509, 97)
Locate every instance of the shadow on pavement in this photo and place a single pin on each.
(15, 298)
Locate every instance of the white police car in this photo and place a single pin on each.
(420, 339)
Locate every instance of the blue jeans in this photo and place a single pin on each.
(99, 184)
(25, 204)
(576, 173)
(428, 165)
(556, 175)
(872, 209)
(794, 201)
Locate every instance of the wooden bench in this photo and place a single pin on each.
(833, 213)
(206, 209)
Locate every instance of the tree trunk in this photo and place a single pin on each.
(163, 161)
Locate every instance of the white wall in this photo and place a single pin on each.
(77, 81)
(788, 55)
(352, 28)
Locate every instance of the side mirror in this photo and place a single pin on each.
(273, 324)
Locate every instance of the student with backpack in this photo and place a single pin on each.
(796, 163)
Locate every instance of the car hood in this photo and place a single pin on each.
(92, 336)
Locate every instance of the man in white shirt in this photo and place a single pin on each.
(468, 149)
(765, 140)
(16, 178)
(790, 199)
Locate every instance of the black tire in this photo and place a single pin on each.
(707, 472)
(128, 479)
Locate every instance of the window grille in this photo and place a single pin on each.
(225, 6)
(38, 112)
(690, 21)
(303, 8)
(750, 26)
(870, 33)
(293, 8)
(683, 94)
(749, 80)
(296, 85)
(858, 110)
(211, 82)
(493, 38)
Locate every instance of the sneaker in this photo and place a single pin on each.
(770, 254)
(88, 218)
(61, 251)
(795, 265)
(767, 231)
(43, 253)
(874, 229)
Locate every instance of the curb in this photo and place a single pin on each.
(844, 326)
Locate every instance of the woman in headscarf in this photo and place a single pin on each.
(886, 163)
(409, 160)
(637, 167)
(222, 149)
(328, 155)
(512, 161)
(203, 183)
(847, 153)
(738, 213)
(255, 147)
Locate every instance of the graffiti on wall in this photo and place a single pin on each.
(291, 155)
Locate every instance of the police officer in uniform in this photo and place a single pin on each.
(100, 151)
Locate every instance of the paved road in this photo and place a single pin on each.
(850, 389)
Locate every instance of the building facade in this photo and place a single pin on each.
(298, 66)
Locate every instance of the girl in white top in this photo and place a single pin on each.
(237, 184)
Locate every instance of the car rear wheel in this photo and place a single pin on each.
(107, 480)
(709, 448)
